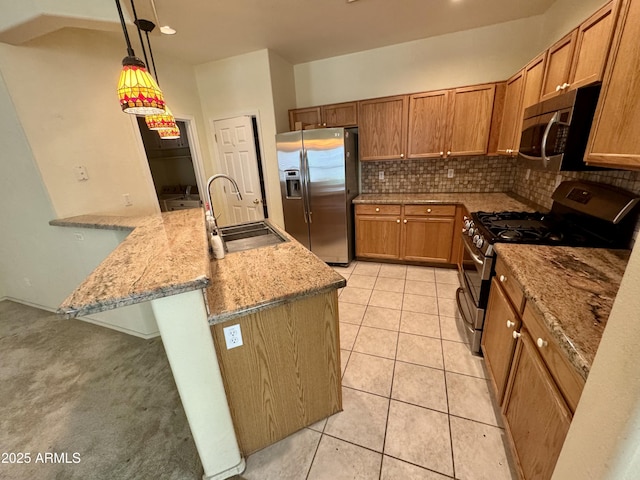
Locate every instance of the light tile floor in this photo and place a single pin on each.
(417, 404)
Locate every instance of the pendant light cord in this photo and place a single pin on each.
(153, 62)
(135, 16)
(130, 51)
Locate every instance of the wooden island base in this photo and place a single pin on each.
(286, 375)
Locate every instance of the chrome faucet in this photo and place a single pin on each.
(187, 193)
(209, 182)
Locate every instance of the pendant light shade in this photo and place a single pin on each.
(161, 121)
(138, 92)
(169, 133)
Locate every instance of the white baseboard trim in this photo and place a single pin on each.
(94, 321)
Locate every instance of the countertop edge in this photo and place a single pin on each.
(226, 316)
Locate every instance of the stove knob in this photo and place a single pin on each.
(475, 238)
(467, 223)
(471, 231)
(480, 241)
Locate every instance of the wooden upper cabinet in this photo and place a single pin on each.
(340, 115)
(511, 115)
(383, 128)
(533, 76)
(615, 136)
(592, 46)
(427, 124)
(308, 116)
(556, 73)
(470, 120)
(450, 122)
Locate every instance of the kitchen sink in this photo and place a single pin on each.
(247, 236)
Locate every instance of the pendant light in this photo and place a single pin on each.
(169, 133)
(138, 92)
(164, 120)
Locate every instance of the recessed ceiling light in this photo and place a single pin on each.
(167, 30)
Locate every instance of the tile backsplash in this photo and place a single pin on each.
(470, 174)
(483, 174)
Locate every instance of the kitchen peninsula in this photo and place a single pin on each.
(283, 298)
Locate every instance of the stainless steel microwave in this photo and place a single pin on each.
(555, 131)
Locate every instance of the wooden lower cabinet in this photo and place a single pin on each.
(535, 413)
(415, 233)
(428, 239)
(498, 343)
(286, 375)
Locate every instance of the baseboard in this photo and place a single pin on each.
(94, 321)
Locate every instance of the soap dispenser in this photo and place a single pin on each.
(216, 245)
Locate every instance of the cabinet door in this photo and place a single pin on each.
(428, 239)
(308, 116)
(427, 124)
(340, 115)
(498, 343)
(382, 132)
(512, 115)
(537, 417)
(378, 236)
(533, 75)
(556, 75)
(592, 47)
(470, 120)
(615, 135)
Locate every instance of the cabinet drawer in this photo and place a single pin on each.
(564, 374)
(378, 209)
(511, 286)
(431, 210)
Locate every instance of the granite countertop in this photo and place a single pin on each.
(474, 202)
(572, 289)
(249, 281)
(165, 254)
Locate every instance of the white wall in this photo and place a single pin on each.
(242, 86)
(486, 54)
(283, 86)
(604, 439)
(63, 86)
(39, 264)
(462, 58)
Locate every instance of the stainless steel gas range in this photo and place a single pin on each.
(583, 214)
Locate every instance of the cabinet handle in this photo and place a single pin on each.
(510, 324)
(541, 343)
(565, 85)
(405, 220)
(402, 155)
(398, 221)
(324, 124)
(377, 209)
(442, 154)
(516, 335)
(558, 88)
(448, 152)
(428, 210)
(503, 279)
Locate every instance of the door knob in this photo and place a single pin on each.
(256, 201)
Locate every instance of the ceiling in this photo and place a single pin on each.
(306, 30)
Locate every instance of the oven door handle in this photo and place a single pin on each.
(460, 309)
(475, 257)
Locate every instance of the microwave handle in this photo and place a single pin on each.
(545, 135)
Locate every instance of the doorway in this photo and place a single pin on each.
(172, 169)
(239, 153)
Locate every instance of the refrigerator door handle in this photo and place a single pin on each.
(307, 183)
(303, 184)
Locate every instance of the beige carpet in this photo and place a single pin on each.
(68, 387)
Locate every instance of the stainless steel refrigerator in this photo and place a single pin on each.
(318, 181)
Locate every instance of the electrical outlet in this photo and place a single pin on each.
(381, 175)
(528, 174)
(127, 200)
(232, 336)
(78, 236)
(450, 173)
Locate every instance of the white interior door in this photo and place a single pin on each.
(239, 160)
